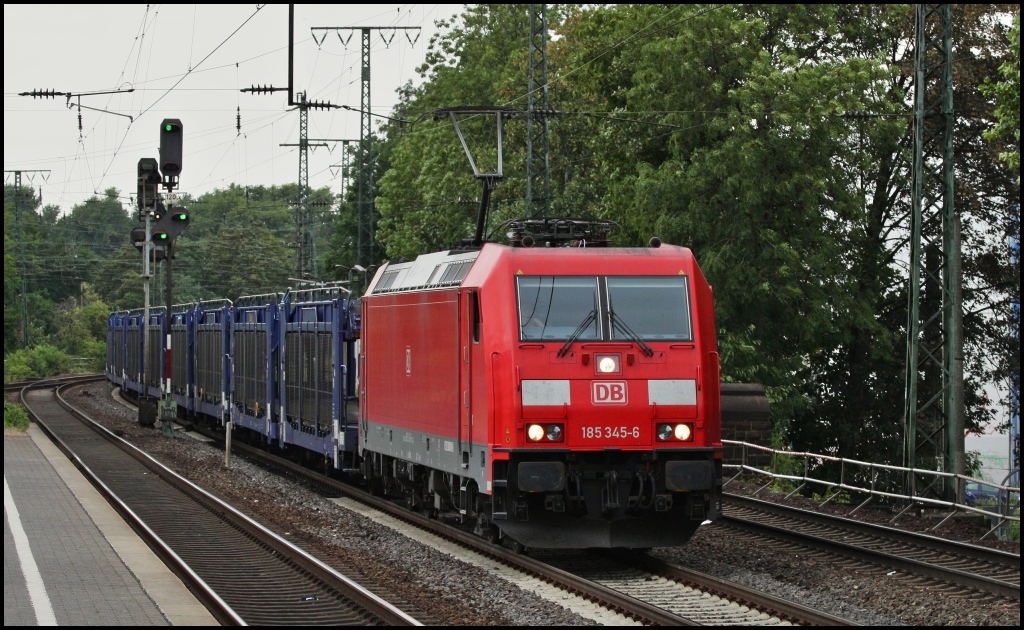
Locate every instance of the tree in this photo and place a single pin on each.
(428, 199)
(245, 258)
(1004, 137)
(1007, 95)
(12, 307)
(118, 279)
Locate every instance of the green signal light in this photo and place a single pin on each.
(162, 236)
(182, 217)
(168, 127)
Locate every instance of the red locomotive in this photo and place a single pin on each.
(559, 397)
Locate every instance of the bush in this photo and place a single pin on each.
(15, 416)
(16, 368)
(40, 361)
(96, 352)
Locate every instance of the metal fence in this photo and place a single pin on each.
(871, 482)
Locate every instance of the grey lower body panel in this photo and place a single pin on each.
(466, 459)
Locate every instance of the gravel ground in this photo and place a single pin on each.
(864, 593)
(462, 594)
(445, 588)
(860, 592)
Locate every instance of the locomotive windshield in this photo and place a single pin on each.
(655, 308)
(553, 307)
(613, 308)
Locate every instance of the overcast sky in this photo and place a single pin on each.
(189, 62)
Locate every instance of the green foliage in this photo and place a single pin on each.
(15, 417)
(239, 242)
(82, 333)
(1007, 95)
(428, 197)
(37, 362)
(750, 167)
(75, 339)
(842, 497)
(245, 257)
(973, 464)
(783, 464)
(12, 308)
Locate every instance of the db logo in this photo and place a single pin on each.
(605, 393)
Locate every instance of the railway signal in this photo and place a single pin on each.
(169, 225)
(138, 239)
(148, 180)
(179, 220)
(171, 133)
(159, 211)
(162, 227)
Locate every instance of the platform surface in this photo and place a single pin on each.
(70, 559)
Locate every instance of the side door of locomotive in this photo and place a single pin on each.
(469, 336)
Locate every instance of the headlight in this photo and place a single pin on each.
(554, 433)
(675, 432)
(545, 433)
(607, 363)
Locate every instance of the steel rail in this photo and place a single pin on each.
(374, 604)
(223, 613)
(785, 609)
(606, 596)
(363, 598)
(909, 565)
(927, 541)
(598, 593)
(35, 383)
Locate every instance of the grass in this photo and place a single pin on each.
(15, 417)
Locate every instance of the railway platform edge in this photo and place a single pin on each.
(91, 567)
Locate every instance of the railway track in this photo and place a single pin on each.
(651, 591)
(697, 596)
(17, 386)
(968, 567)
(244, 573)
(637, 586)
(697, 600)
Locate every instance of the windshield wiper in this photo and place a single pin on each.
(617, 323)
(577, 333)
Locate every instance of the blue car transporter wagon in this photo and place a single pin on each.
(117, 328)
(182, 357)
(283, 366)
(210, 350)
(255, 375)
(130, 327)
(317, 354)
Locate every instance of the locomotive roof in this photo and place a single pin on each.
(429, 271)
(450, 268)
